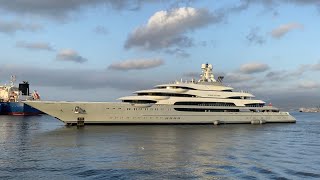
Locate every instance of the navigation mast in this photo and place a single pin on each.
(207, 75)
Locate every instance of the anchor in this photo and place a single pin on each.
(79, 110)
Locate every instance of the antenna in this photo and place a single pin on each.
(12, 80)
(220, 79)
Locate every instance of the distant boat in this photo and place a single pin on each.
(310, 110)
(12, 99)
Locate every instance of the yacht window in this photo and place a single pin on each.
(238, 97)
(206, 110)
(255, 105)
(182, 87)
(139, 101)
(205, 103)
(165, 94)
(175, 87)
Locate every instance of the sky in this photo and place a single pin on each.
(100, 50)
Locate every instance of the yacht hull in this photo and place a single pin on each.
(126, 113)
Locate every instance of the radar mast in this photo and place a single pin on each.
(207, 74)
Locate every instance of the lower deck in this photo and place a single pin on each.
(126, 113)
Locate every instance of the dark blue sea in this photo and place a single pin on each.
(41, 147)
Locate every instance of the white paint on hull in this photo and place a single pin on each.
(108, 112)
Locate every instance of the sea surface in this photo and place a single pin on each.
(41, 147)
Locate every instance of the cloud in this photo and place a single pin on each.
(284, 29)
(315, 67)
(271, 4)
(253, 68)
(87, 79)
(315, 3)
(304, 2)
(281, 75)
(70, 55)
(309, 85)
(34, 45)
(62, 9)
(277, 75)
(275, 80)
(166, 29)
(137, 64)
(180, 53)
(11, 27)
(192, 74)
(58, 9)
(101, 30)
(254, 37)
(307, 67)
(237, 78)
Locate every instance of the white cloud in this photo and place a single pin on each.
(166, 29)
(70, 55)
(253, 68)
(284, 29)
(136, 64)
(35, 45)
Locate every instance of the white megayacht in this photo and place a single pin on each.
(206, 101)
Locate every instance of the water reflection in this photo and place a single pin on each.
(42, 147)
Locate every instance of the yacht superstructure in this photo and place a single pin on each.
(194, 102)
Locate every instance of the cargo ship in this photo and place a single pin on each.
(12, 99)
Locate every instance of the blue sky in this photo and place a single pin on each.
(100, 50)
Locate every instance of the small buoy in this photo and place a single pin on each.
(262, 121)
(217, 122)
(142, 148)
(255, 122)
